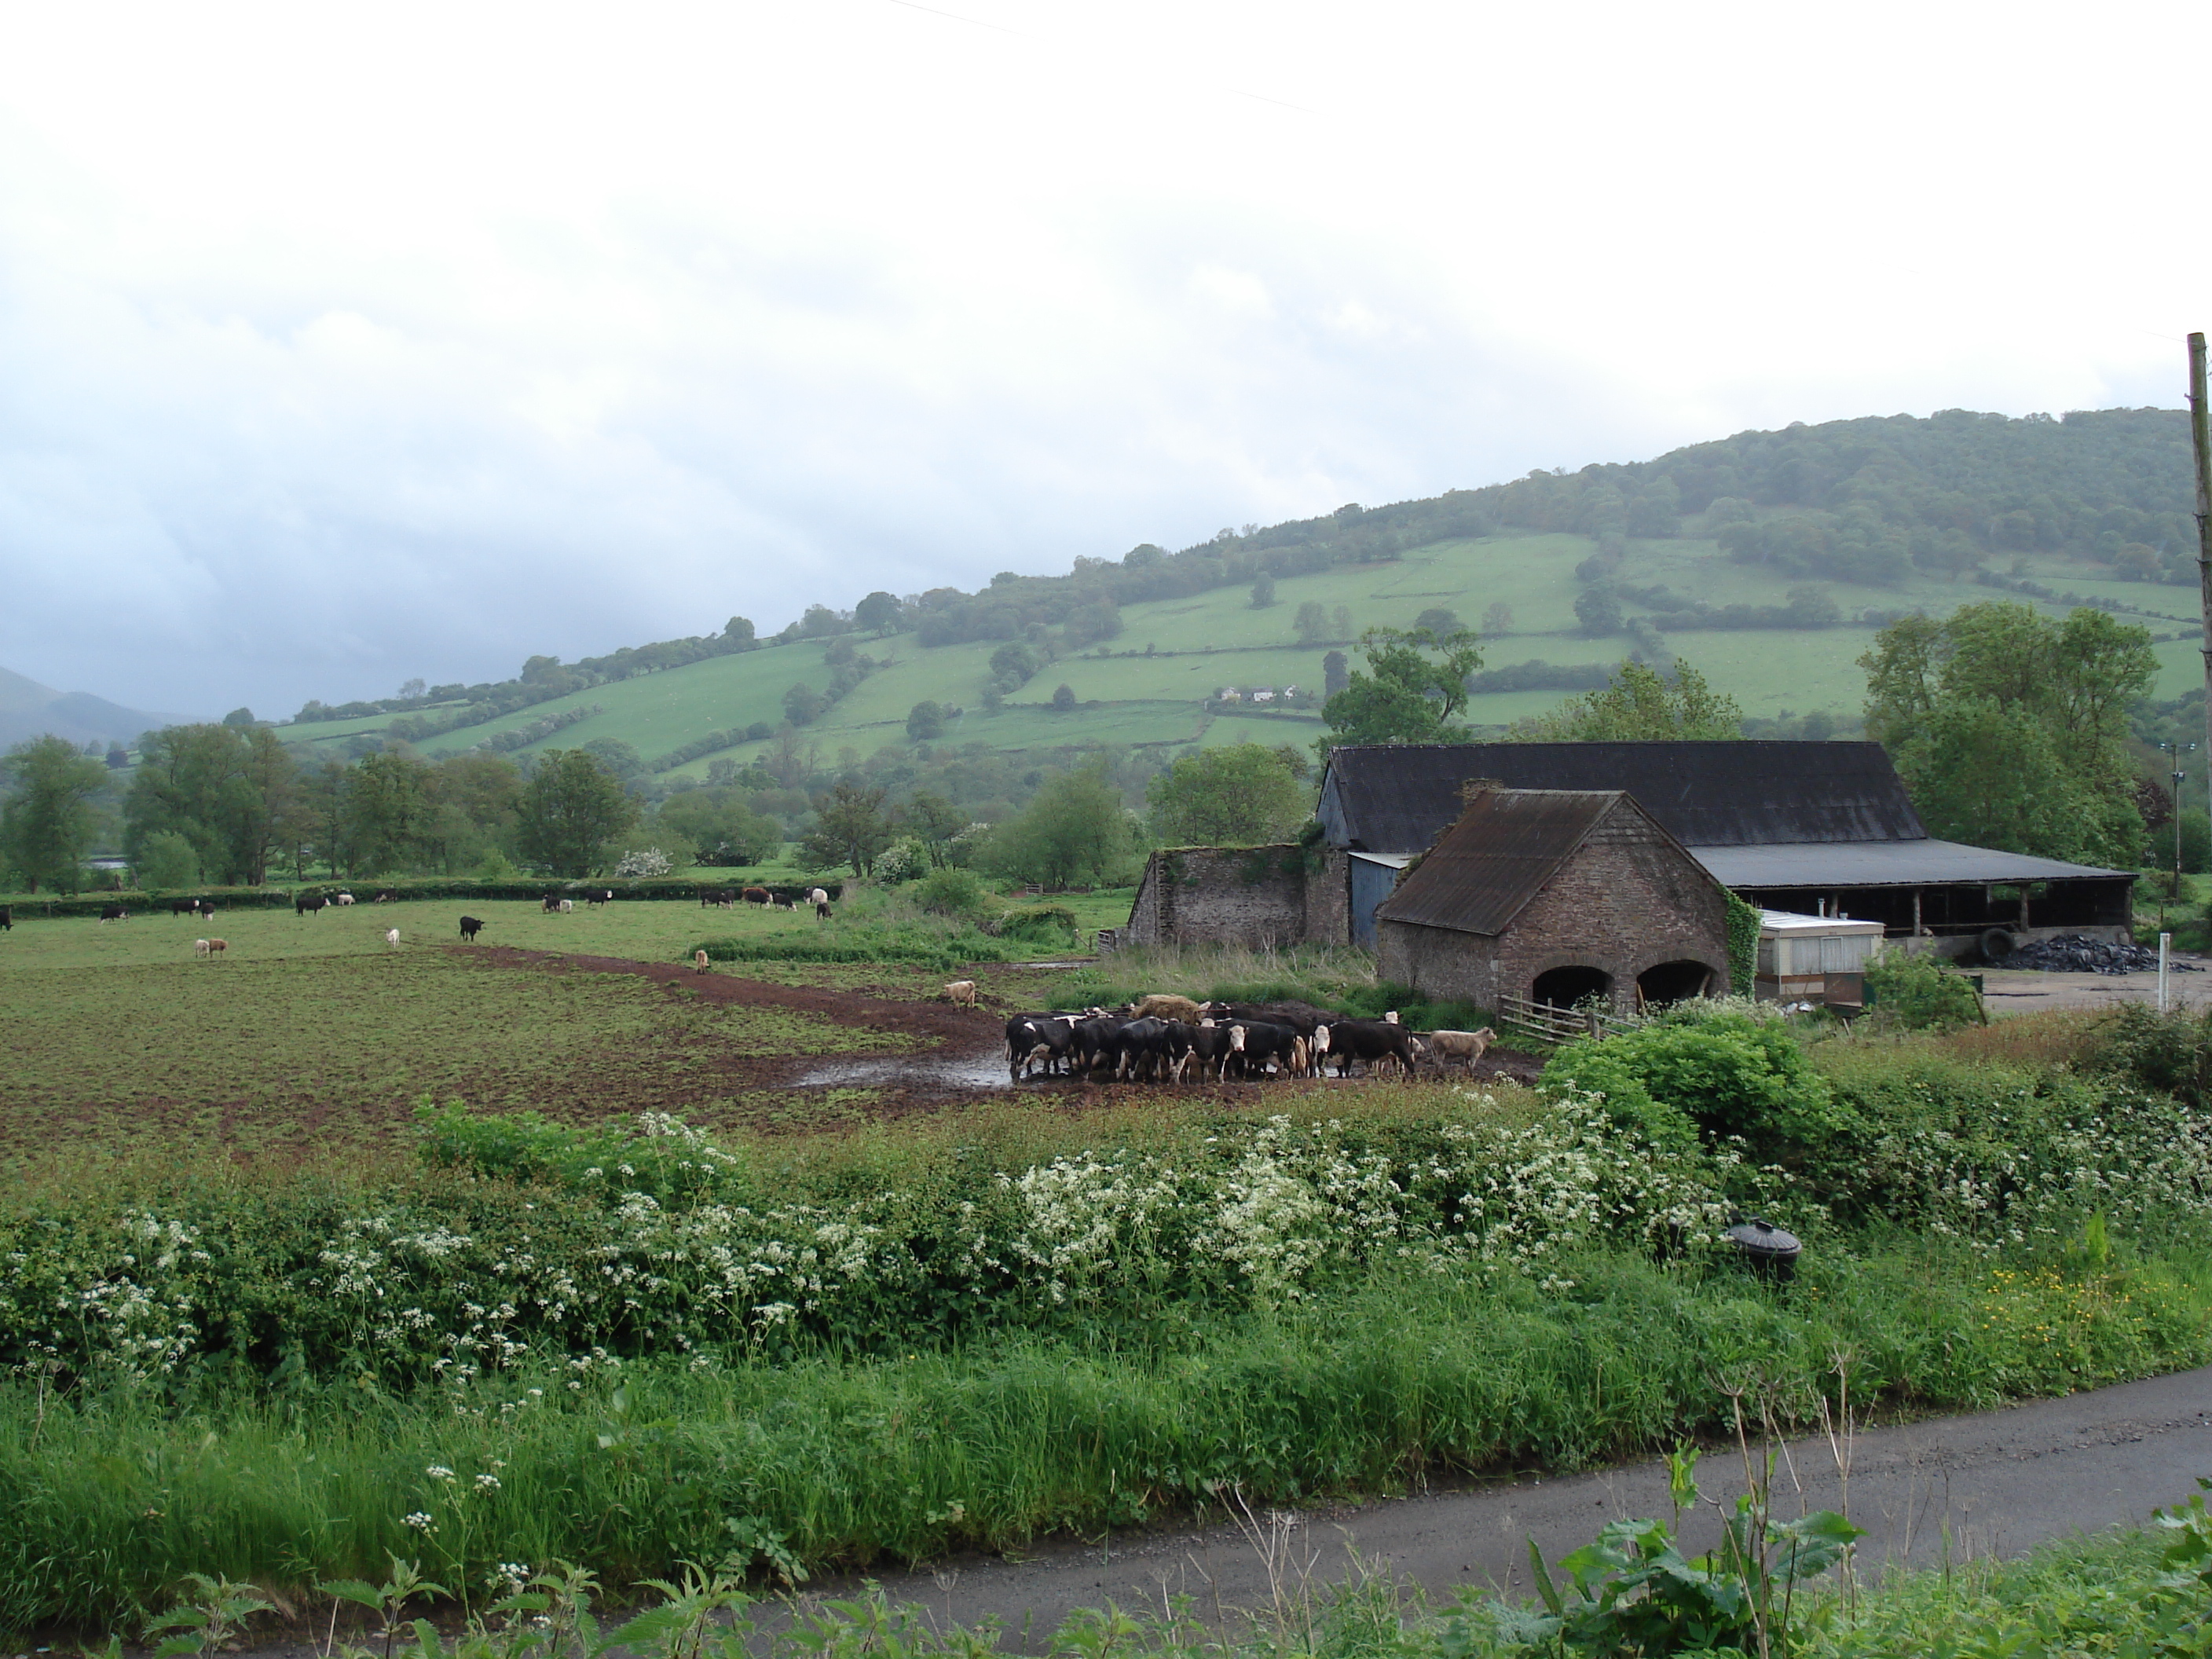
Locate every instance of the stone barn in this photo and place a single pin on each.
(1556, 894)
(1195, 896)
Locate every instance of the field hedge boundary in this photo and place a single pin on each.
(146, 902)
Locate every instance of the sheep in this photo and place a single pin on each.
(217, 946)
(391, 936)
(200, 947)
(568, 907)
(1162, 1006)
(345, 898)
(1469, 1046)
(698, 962)
(961, 992)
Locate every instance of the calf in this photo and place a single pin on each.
(113, 913)
(7, 918)
(1048, 1038)
(391, 936)
(1209, 1048)
(962, 991)
(821, 909)
(698, 961)
(1158, 1006)
(306, 904)
(1468, 1046)
(551, 904)
(755, 895)
(1141, 1048)
(470, 927)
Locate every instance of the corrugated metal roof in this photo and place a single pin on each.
(1924, 863)
(1490, 864)
(1397, 798)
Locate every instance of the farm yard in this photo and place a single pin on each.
(326, 1253)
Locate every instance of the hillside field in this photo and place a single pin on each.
(1150, 684)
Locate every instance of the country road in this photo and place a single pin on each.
(1998, 1482)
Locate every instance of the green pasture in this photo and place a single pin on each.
(1202, 643)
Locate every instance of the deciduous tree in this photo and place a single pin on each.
(1640, 706)
(1407, 694)
(1237, 795)
(46, 824)
(849, 828)
(570, 810)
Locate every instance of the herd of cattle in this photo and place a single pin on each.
(1168, 1038)
(727, 898)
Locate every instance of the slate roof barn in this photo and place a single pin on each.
(1554, 894)
(1809, 827)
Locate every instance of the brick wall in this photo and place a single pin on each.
(1628, 901)
(1199, 895)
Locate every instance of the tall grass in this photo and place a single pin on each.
(111, 1499)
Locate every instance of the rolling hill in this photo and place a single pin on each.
(29, 709)
(1769, 559)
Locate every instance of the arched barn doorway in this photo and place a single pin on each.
(1673, 982)
(1563, 988)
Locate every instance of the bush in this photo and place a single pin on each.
(904, 859)
(1917, 992)
(168, 862)
(1721, 1070)
(1051, 925)
(951, 892)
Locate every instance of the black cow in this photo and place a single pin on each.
(755, 895)
(551, 904)
(1253, 1043)
(1030, 1037)
(190, 907)
(113, 913)
(304, 904)
(1371, 1042)
(1209, 1048)
(470, 929)
(7, 918)
(599, 896)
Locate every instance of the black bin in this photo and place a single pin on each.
(1766, 1249)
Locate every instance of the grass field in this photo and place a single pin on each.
(1173, 653)
(312, 1035)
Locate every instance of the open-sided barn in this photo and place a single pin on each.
(1825, 829)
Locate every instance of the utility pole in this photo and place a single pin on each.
(2200, 438)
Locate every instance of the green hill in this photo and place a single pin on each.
(1768, 558)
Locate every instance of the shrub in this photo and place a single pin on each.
(168, 862)
(1917, 992)
(649, 862)
(1725, 1071)
(1049, 925)
(951, 892)
(904, 859)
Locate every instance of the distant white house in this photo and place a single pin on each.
(1229, 694)
(1263, 696)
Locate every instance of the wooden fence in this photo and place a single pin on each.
(1549, 1023)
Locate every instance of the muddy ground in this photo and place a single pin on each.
(955, 1053)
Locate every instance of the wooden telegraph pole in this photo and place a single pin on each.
(2200, 437)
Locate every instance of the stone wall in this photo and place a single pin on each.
(1628, 900)
(1200, 895)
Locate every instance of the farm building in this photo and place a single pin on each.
(1823, 828)
(1814, 958)
(1556, 895)
(1249, 896)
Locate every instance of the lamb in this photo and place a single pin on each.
(1469, 1046)
(961, 992)
(217, 946)
(391, 936)
(200, 947)
(698, 962)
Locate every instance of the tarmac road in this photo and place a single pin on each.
(1998, 1482)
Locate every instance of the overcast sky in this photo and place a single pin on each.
(339, 346)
